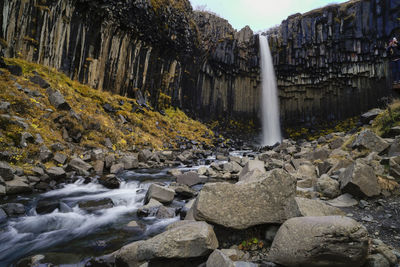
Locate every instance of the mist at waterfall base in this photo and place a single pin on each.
(271, 128)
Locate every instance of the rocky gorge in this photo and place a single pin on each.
(100, 165)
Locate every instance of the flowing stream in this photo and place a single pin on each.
(270, 102)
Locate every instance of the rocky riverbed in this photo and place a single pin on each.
(331, 202)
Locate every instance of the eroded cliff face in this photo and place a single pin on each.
(331, 63)
(156, 49)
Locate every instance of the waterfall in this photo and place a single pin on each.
(269, 101)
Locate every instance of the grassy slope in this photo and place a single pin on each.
(147, 129)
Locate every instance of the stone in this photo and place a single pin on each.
(271, 200)
(320, 241)
(98, 167)
(367, 117)
(44, 154)
(175, 172)
(38, 171)
(189, 179)
(218, 258)
(250, 166)
(117, 168)
(57, 100)
(44, 206)
(145, 155)
(165, 213)
(80, 166)
(110, 181)
(252, 176)
(6, 171)
(159, 193)
(360, 179)
(39, 81)
(130, 162)
(60, 158)
(232, 167)
(183, 191)
(109, 160)
(3, 215)
(336, 143)
(13, 209)
(14, 70)
(4, 106)
(17, 186)
(26, 138)
(369, 140)
(309, 207)
(190, 240)
(343, 201)
(2, 190)
(56, 173)
(328, 187)
(384, 250)
(150, 209)
(93, 205)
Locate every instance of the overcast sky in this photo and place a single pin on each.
(260, 14)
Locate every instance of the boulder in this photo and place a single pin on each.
(98, 167)
(56, 173)
(343, 201)
(80, 166)
(2, 190)
(17, 186)
(251, 166)
(367, 117)
(328, 186)
(6, 171)
(60, 158)
(57, 100)
(150, 209)
(39, 81)
(369, 140)
(320, 241)
(271, 198)
(189, 179)
(252, 176)
(359, 179)
(145, 155)
(130, 162)
(232, 167)
(110, 181)
(3, 215)
(13, 209)
(44, 153)
(117, 168)
(190, 240)
(159, 193)
(218, 258)
(376, 260)
(165, 213)
(310, 207)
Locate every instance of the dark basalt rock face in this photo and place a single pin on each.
(330, 63)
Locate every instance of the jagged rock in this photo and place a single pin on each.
(78, 165)
(44, 154)
(328, 186)
(130, 162)
(320, 241)
(150, 209)
(6, 171)
(368, 139)
(60, 158)
(366, 118)
(189, 240)
(250, 166)
(336, 143)
(4, 106)
(145, 155)
(217, 258)
(232, 167)
(165, 213)
(38, 171)
(3, 215)
(109, 160)
(271, 198)
(110, 181)
(160, 193)
(56, 173)
(108, 108)
(359, 179)
(13, 209)
(189, 179)
(98, 167)
(93, 205)
(308, 207)
(17, 186)
(252, 176)
(57, 100)
(117, 168)
(376, 260)
(47, 206)
(384, 250)
(39, 81)
(183, 190)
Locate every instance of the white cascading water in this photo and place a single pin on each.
(270, 104)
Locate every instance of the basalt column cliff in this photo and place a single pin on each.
(331, 63)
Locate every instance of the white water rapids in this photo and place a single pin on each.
(269, 101)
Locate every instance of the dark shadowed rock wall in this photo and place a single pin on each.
(331, 63)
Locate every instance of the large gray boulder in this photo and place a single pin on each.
(6, 171)
(80, 166)
(189, 178)
(130, 162)
(57, 100)
(17, 186)
(270, 199)
(368, 139)
(251, 166)
(320, 241)
(160, 193)
(189, 240)
(359, 179)
(328, 186)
